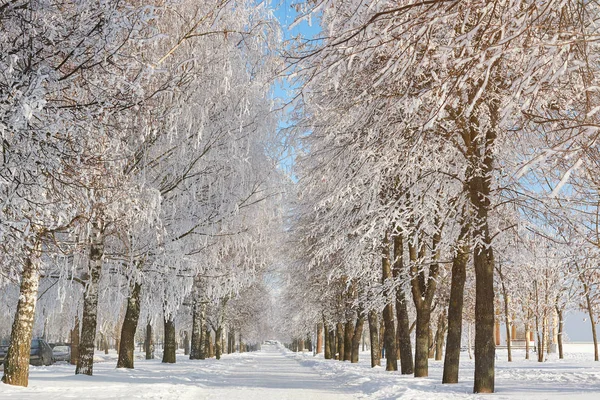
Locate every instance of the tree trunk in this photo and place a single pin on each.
(149, 344)
(16, 361)
(374, 338)
(381, 337)
(561, 325)
(227, 347)
(364, 343)
(348, 334)
(327, 341)
(104, 343)
(85, 364)
(439, 336)
(170, 342)
(319, 348)
(196, 332)
(332, 343)
(423, 290)
(469, 341)
(527, 334)
(340, 341)
(389, 337)
(590, 310)
(540, 340)
(186, 343)
(403, 331)
(483, 261)
(358, 329)
(593, 323)
(208, 343)
(219, 342)
(422, 342)
(507, 323)
(75, 342)
(127, 342)
(455, 308)
(203, 349)
(506, 312)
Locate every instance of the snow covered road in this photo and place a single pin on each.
(271, 375)
(276, 374)
(264, 375)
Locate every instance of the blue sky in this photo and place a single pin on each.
(282, 89)
(286, 16)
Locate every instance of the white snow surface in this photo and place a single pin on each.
(275, 373)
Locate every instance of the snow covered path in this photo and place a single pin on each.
(281, 375)
(264, 375)
(271, 375)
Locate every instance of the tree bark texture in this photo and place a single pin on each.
(527, 334)
(439, 336)
(374, 338)
(170, 342)
(455, 308)
(75, 342)
(326, 343)
(561, 326)
(422, 342)
(483, 261)
(85, 363)
(381, 336)
(104, 342)
(431, 353)
(230, 341)
(208, 344)
(423, 289)
(203, 349)
(507, 326)
(332, 343)
(16, 361)
(219, 342)
(506, 312)
(196, 332)
(149, 343)
(358, 329)
(389, 336)
(186, 343)
(339, 333)
(348, 334)
(132, 315)
(319, 348)
(403, 331)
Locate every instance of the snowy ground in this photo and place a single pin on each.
(277, 374)
(575, 377)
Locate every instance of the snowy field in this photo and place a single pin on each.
(278, 374)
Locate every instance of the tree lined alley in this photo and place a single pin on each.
(430, 176)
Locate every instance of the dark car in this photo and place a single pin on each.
(61, 352)
(40, 354)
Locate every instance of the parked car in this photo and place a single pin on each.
(40, 354)
(61, 353)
